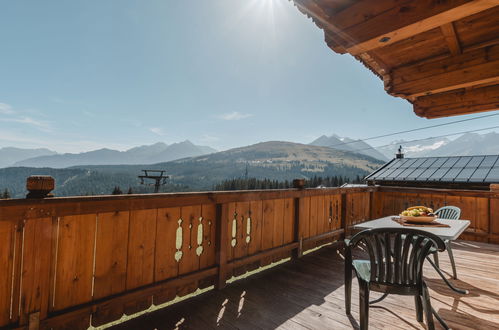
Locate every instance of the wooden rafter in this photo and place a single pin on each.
(451, 38)
(436, 76)
(462, 101)
(443, 56)
(423, 16)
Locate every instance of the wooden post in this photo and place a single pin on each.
(40, 186)
(221, 247)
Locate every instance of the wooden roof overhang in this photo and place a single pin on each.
(441, 55)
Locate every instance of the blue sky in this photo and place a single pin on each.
(81, 75)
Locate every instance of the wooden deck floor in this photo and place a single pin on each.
(308, 294)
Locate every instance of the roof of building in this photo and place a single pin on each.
(441, 56)
(456, 169)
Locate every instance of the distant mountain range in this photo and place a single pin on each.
(9, 155)
(347, 144)
(273, 160)
(147, 154)
(466, 145)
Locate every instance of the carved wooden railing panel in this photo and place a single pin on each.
(480, 207)
(67, 261)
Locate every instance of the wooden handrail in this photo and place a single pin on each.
(103, 256)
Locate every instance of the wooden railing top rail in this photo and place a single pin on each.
(13, 209)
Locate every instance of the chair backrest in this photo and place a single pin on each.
(449, 212)
(396, 254)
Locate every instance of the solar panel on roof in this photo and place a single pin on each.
(427, 174)
(394, 174)
(475, 161)
(406, 173)
(489, 161)
(387, 172)
(462, 162)
(493, 175)
(438, 174)
(451, 174)
(480, 175)
(428, 162)
(439, 162)
(441, 169)
(418, 162)
(414, 175)
(465, 174)
(450, 162)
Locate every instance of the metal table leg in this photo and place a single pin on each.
(449, 284)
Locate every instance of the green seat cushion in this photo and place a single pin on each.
(363, 269)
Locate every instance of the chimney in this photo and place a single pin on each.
(399, 154)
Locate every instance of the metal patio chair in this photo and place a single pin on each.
(453, 213)
(395, 266)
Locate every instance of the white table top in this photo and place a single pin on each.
(456, 227)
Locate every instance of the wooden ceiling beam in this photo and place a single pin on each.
(406, 20)
(451, 38)
(472, 68)
(464, 101)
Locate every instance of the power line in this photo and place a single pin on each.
(412, 130)
(433, 137)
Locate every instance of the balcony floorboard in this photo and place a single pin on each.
(308, 294)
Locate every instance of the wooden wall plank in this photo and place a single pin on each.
(268, 225)
(321, 215)
(313, 216)
(289, 221)
(304, 206)
(255, 244)
(75, 260)
(111, 253)
(243, 213)
(7, 232)
(494, 216)
(190, 261)
(482, 215)
(209, 232)
(278, 236)
(166, 234)
(37, 254)
(141, 244)
(230, 215)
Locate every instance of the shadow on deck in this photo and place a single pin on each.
(308, 294)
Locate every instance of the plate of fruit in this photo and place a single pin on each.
(421, 214)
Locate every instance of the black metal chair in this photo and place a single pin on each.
(395, 266)
(453, 213)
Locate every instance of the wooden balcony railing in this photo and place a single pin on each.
(71, 262)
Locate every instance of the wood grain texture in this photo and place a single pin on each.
(111, 253)
(207, 258)
(7, 232)
(37, 253)
(190, 261)
(165, 264)
(141, 244)
(255, 244)
(75, 260)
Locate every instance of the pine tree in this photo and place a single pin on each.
(117, 191)
(6, 194)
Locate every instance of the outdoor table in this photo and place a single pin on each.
(451, 233)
